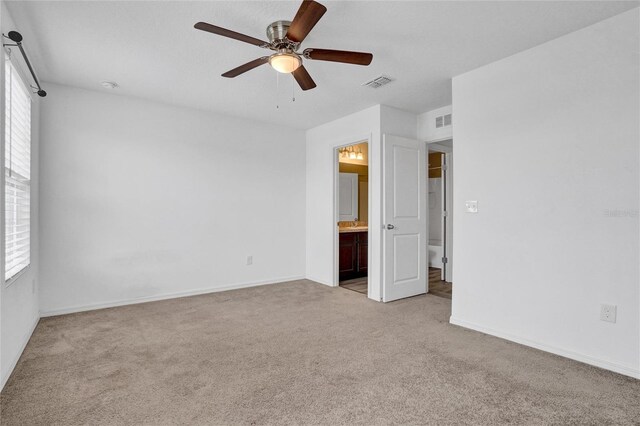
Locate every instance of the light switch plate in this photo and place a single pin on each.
(471, 206)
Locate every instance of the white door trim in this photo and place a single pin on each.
(448, 153)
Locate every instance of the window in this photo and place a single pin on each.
(17, 173)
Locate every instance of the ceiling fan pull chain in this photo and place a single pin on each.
(293, 91)
(277, 90)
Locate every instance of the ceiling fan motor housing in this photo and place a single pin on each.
(278, 30)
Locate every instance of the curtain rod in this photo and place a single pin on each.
(16, 37)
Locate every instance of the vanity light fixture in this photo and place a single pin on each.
(351, 153)
(346, 152)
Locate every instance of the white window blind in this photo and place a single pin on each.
(17, 173)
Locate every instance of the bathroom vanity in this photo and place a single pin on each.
(353, 248)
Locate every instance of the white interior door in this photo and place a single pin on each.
(348, 197)
(405, 237)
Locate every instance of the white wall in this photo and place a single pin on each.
(142, 200)
(19, 300)
(427, 130)
(557, 232)
(398, 122)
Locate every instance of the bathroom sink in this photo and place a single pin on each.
(361, 228)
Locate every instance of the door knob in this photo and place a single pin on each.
(390, 226)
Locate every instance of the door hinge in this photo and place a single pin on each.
(445, 167)
(445, 213)
(445, 260)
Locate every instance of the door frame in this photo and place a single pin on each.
(448, 188)
(336, 212)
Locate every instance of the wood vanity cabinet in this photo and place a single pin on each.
(354, 250)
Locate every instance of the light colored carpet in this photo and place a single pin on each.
(298, 353)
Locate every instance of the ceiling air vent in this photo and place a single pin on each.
(443, 120)
(378, 82)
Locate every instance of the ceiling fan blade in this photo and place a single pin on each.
(357, 58)
(306, 18)
(203, 26)
(246, 67)
(303, 78)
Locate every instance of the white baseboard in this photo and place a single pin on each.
(319, 281)
(23, 345)
(607, 365)
(164, 296)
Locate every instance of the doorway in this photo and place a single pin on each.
(440, 185)
(397, 202)
(353, 197)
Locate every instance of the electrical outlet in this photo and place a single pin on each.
(608, 313)
(471, 206)
(249, 260)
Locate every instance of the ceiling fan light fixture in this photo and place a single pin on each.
(285, 62)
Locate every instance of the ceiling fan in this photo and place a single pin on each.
(285, 38)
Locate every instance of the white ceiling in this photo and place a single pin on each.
(152, 51)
